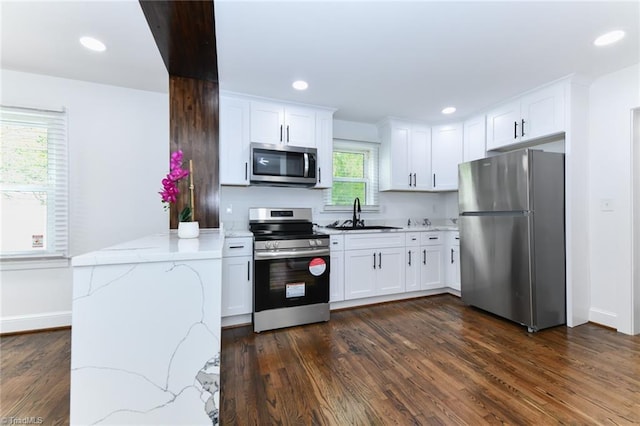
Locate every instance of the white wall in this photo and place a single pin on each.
(118, 150)
(611, 99)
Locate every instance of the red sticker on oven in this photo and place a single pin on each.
(317, 266)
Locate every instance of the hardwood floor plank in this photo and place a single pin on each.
(425, 361)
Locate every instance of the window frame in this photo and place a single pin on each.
(56, 251)
(371, 175)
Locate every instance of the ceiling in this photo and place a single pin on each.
(368, 59)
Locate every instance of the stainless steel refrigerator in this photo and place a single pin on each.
(512, 242)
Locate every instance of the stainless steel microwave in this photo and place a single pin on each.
(283, 165)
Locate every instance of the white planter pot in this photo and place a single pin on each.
(188, 229)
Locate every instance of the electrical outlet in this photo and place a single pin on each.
(229, 209)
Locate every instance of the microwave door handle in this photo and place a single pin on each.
(306, 164)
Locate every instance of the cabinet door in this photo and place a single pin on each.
(359, 274)
(324, 142)
(412, 278)
(400, 142)
(420, 157)
(542, 113)
(390, 276)
(446, 154)
(300, 126)
(453, 268)
(236, 286)
(501, 126)
(336, 276)
(431, 270)
(267, 122)
(474, 138)
(234, 141)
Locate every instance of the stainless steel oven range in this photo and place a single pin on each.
(290, 269)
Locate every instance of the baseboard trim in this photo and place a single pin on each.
(23, 323)
(602, 317)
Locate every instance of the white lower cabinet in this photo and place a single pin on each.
(237, 276)
(376, 270)
(431, 266)
(452, 260)
(412, 262)
(336, 274)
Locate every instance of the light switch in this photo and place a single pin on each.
(606, 204)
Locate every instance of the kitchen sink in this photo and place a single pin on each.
(364, 228)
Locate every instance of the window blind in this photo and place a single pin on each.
(34, 165)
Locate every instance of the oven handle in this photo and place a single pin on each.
(283, 254)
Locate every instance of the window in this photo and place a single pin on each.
(33, 184)
(355, 174)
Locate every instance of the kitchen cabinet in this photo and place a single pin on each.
(237, 276)
(446, 154)
(412, 262)
(474, 138)
(336, 271)
(274, 123)
(535, 115)
(324, 144)
(405, 156)
(452, 260)
(234, 141)
(374, 264)
(431, 266)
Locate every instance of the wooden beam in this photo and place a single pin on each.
(185, 34)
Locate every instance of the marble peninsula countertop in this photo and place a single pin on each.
(157, 248)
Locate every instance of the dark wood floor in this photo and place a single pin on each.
(424, 361)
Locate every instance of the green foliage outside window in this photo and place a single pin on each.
(348, 178)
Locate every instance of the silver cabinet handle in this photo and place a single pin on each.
(248, 270)
(409, 257)
(515, 130)
(319, 174)
(409, 179)
(379, 260)
(522, 128)
(424, 257)
(281, 133)
(287, 133)
(374, 261)
(451, 255)
(246, 171)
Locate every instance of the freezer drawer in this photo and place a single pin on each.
(496, 264)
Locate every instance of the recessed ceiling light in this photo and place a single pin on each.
(93, 44)
(609, 38)
(300, 85)
(449, 110)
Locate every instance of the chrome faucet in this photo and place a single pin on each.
(356, 212)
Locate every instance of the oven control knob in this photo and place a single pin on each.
(318, 242)
(313, 242)
(268, 245)
(276, 244)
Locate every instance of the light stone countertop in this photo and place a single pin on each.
(157, 248)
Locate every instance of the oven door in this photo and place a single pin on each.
(291, 278)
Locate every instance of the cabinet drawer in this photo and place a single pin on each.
(336, 242)
(453, 238)
(373, 240)
(430, 238)
(237, 247)
(413, 239)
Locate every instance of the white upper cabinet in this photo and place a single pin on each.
(446, 154)
(234, 141)
(474, 138)
(324, 142)
(535, 115)
(274, 123)
(405, 163)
